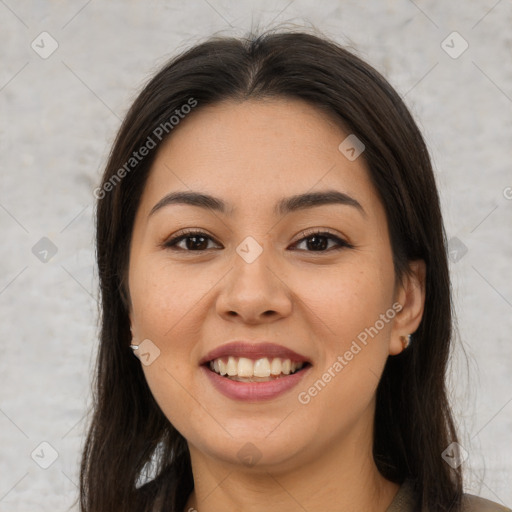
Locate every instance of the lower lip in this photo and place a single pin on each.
(254, 391)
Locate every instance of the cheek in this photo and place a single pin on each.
(169, 302)
(163, 295)
(164, 302)
(355, 309)
(348, 301)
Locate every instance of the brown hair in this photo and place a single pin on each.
(413, 419)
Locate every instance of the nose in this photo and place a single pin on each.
(255, 292)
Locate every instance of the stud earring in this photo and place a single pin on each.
(133, 346)
(406, 340)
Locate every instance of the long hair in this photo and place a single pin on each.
(413, 419)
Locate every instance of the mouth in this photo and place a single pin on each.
(254, 371)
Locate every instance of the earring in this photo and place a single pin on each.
(132, 346)
(406, 340)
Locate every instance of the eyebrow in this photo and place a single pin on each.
(283, 207)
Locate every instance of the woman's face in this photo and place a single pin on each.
(257, 274)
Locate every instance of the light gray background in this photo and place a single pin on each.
(58, 119)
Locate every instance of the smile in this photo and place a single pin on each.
(243, 369)
(254, 371)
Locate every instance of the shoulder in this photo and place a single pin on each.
(406, 501)
(472, 503)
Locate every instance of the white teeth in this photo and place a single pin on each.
(275, 367)
(232, 367)
(261, 368)
(222, 367)
(245, 367)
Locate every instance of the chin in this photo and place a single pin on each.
(253, 448)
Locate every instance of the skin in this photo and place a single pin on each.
(314, 456)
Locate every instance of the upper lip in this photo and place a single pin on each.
(252, 350)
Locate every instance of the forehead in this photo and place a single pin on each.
(255, 152)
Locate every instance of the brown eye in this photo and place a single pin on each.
(194, 241)
(319, 242)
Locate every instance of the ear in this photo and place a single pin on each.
(132, 328)
(410, 294)
(133, 331)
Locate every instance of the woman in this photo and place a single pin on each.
(271, 248)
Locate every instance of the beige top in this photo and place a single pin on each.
(404, 501)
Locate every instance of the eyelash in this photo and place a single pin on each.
(342, 244)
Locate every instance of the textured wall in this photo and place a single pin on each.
(59, 114)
